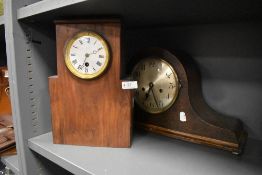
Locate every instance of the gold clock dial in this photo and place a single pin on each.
(87, 55)
(158, 85)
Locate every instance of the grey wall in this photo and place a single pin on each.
(229, 57)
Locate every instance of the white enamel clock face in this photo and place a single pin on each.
(87, 55)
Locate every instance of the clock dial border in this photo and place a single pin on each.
(161, 59)
(67, 55)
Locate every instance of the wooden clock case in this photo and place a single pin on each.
(203, 125)
(5, 106)
(94, 112)
(7, 136)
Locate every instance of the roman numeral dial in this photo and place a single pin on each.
(158, 85)
(87, 55)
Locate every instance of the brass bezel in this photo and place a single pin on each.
(67, 55)
(173, 98)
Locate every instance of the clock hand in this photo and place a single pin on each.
(147, 94)
(150, 87)
(154, 97)
(84, 60)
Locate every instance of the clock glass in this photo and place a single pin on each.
(87, 55)
(158, 85)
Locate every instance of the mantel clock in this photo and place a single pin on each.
(88, 105)
(169, 101)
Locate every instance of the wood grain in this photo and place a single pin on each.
(203, 125)
(5, 105)
(93, 112)
(7, 136)
(9, 152)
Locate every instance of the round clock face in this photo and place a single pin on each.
(87, 55)
(157, 85)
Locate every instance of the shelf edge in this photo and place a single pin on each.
(67, 165)
(44, 6)
(11, 162)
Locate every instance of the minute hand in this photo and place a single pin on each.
(154, 97)
(150, 87)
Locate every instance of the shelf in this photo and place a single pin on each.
(11, 162)
(44, 6)
(150, 154)
(1, 21)
(143, 13)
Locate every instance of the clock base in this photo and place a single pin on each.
(234, 147)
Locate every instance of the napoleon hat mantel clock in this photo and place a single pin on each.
(169, 101)
(88, 105)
